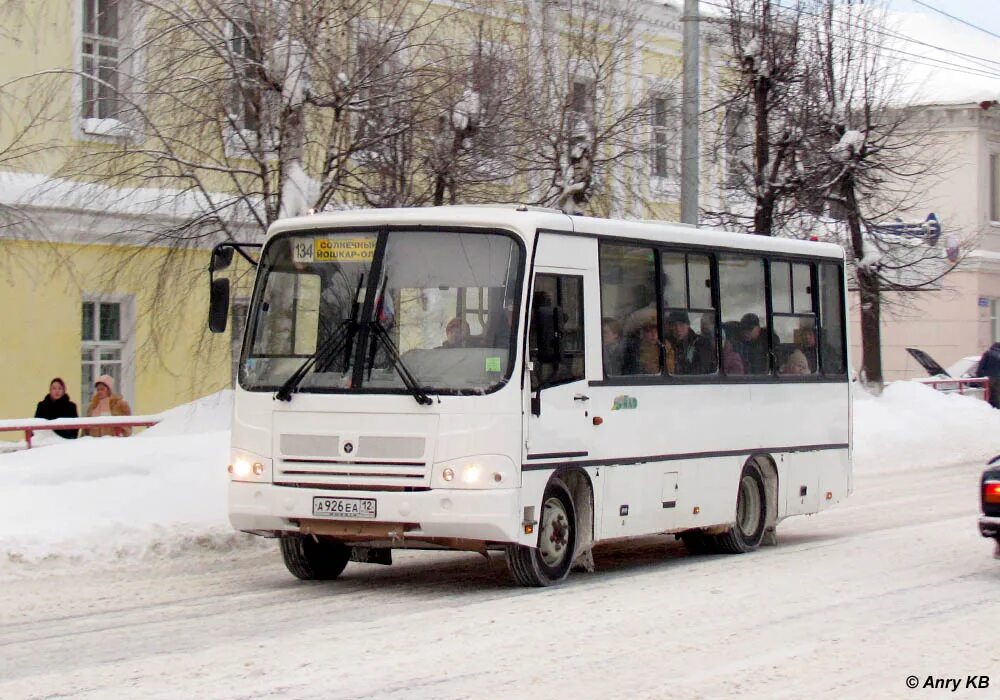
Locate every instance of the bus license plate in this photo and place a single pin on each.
(344, 507)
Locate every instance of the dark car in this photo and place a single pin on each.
(989, 494)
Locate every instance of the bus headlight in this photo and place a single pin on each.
(246, 466)
(478, 472)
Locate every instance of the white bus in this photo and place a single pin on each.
(510, 378)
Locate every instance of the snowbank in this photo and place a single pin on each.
(163, 493)
(911, 426)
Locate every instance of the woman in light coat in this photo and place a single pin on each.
(107, 403)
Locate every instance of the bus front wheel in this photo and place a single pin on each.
(747, 532)
(550, 561)
(314, 559)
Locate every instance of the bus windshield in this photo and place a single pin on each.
(370, 307)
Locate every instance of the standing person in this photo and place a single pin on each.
(57, 404)
(107, 403)
(989, 366)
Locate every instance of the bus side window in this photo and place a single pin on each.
(630, 324)
(565, 294)
(831, 316)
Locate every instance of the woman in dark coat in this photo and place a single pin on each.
(57, 405)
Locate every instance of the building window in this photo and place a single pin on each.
(103, 347)
(995, 187)
(381, 97)
(100, 54)
(580, 107)
(243, 111)
(660, 153)
(737, 148)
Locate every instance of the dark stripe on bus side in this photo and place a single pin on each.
(626, 461)
(557, 455)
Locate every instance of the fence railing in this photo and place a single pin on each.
(962, 385)
(32, 425)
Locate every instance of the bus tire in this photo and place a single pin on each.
(314, 560)
(747, 532)
(550, 561)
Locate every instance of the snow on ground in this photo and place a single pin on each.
(163, 493)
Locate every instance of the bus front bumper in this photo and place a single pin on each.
(491, 515)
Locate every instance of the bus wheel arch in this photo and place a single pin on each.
(559, 530)
(769, 471)
(582, 489)
(752, 505)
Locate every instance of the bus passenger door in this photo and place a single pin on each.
(559, 423)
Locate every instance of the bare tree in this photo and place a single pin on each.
(233, 113)
(874, 160)
(764, 114)
(585, 125)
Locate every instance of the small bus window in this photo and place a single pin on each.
(794, 319)
(564, 292)
(688, 312)
(744, 327)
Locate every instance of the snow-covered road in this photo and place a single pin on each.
(894, 582)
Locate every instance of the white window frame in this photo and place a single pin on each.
(239, 139)
(664, 188)
(503, 54)
(129, 62)
(370, 34)
(125, 343)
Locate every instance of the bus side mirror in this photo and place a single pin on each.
(548, 333)
(222, 257)
(218, 305)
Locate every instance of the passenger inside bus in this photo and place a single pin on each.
(644, 353)
(693, 353)
(456, 333)
(611, 339)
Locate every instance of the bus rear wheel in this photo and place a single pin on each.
(314, 559)
(747, 532)
(549, 562)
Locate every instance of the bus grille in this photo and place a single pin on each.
(331, 474)
(376, 462)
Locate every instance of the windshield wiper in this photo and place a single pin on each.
(390, 347)
(342, 337)
(401, 369)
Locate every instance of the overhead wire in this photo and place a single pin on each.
(914, 58)
(957, 19)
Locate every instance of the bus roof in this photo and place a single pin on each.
(529, 219)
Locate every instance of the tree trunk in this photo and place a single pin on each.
(869, 293)
(871, 330)
(763, 215)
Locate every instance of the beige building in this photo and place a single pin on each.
(961, 316)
